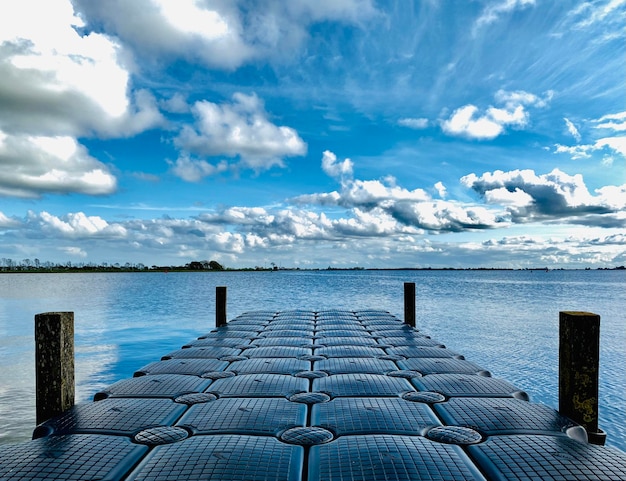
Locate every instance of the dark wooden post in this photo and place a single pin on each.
(579, 359)
(54, 359)
(409, 303)
(220, 306)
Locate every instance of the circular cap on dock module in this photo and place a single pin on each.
(312, 357)
(311, 374)
(195, 398)
(310, 398)
(307, 436)
(454, 435)
(161, 435)
(424, 397)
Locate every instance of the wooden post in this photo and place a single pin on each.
(409, 303)
(220, 306)
(54, 363)
(579, 356)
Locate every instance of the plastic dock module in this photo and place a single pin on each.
(309, 396)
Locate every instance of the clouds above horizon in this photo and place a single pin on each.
(482, 127)
(369, 210)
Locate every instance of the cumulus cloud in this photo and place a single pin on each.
(57, 81)
(240, 129)
(219, 34)
(76, 225)
(58, 84)
(407, 210)
(441, 190)
(6, 222)
(333, 168)
(556, 196)
(391, 228)
(34, 165)
(468, 121)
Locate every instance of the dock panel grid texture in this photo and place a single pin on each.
(304, 395)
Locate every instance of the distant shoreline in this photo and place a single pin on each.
(165, 269)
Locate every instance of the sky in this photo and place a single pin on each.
(314, 133)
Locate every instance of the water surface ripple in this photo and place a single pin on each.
(505, 321)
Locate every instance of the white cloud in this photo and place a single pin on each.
(78, 225)
(34, 165)
(576, 151)
(219, 34)
(556, 195)
(615, 122)
(467, 121)
(615, 144)
(463, 122)
(368, 224)
(55, 81)
(512, 99)
(445, 216)
(411, 210)
(240, 129)
(375, 192)
(414, 123)
(332, 168)
(6, 222)
(571, 128)
(613, 196)
(441, 190)
(188, 16)
(56, 85)
(155, 29)
(503, 196)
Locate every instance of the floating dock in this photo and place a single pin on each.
(307, 396)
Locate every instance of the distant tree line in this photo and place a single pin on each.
(35, 265)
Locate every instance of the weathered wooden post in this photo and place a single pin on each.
(220, 306)
(579, 359)
(409, 303)
(54, 364)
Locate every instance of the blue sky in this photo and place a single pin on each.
(314, 133)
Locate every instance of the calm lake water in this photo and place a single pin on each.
(505, 321)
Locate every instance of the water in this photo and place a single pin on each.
(505, 321)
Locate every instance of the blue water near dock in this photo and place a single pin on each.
(506, 321)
